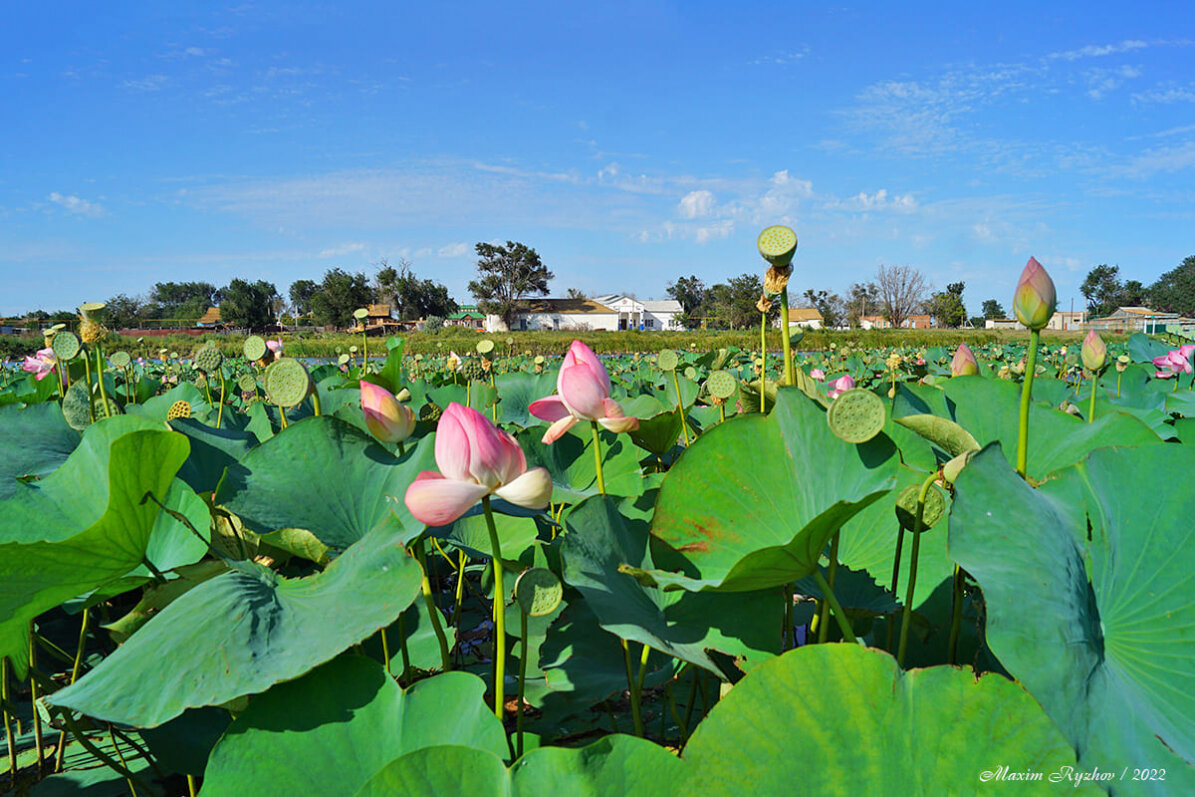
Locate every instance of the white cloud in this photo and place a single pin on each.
(1168, 93)
(453, 250)
(1163, 159)
(77, 206)
(722, 229)
(196, 51)
(342, 249)
(1101, 81)
(780, 59)
(880, 201)
(147, 83)
(1094, 50)
(696, 204)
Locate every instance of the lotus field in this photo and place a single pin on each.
(908, 571)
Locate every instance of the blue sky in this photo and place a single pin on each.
(629, 143)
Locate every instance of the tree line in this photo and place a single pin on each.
(1173, 292)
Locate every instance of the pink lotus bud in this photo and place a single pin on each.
(841, 385)
(583, 393)
(1035, 297)
(387, 419)
(1094, 352)
(964, 362)
(818, 374)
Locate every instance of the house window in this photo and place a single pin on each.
(650, 323)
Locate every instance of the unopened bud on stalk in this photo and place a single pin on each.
(964, 362)
(1094, 352)
(1036, 297)
(1122, 362)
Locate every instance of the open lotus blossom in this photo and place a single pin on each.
(583, 393)
(275, 346)
(454, 362)
(1175, 362)
(964, 362)
(40, 364)
(475, 459)
(387, 419)
(841, 385)
(818, 374)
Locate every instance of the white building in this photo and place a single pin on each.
(652, 315)
(578, 314)
(804, 317)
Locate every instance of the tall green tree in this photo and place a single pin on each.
(830, 305)
(339, 294)
(732, 304)
(506, 275)
(124, 311)
(947, 306)
(182, 300)
(1174, 292)
(862, 299)
(993, 309)
(691, 293)
(412, 297)
(301, 292)
(248, 304)
(1102, 290)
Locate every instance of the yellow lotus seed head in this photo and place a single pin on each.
(777, 244)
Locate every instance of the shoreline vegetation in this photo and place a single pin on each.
(556, 342)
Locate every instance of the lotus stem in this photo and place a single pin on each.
(499, 611)
(220, 412)
(494, 385)
(402, 645)
(918, 528)
(432, 611)
(1026, 396)
(74, 677)
(90, 747)
(956, 616)
(99, 375)
(87, 376)
(315, 405)
(900, 541)
(8, 731)
(763, 358)
(522, 684)
(281, 416)
(37, 737)
(844, 624)
(692, 699)
(61, 378)
(191, 786)
(1091, 408)
(123, 763)
(597, 456)
(1119, 374)
(680, 406)
(633, 686)
(787, 637)
(823, 626)
(790, 378)
(385, 649)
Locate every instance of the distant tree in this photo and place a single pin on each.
(731, 304)
(301, 292)
(992, 309)
(339, 294)
(505, 275)
(412, 297)
(862, 299)
(124, 311)
(1102, 290)
(1134, 294)
(575, 293)
(182, 300)
(830, 305)
(248, 304)
(977, 321)
(902, 292)
(691, 293)
(947, 306)
(1174, 292)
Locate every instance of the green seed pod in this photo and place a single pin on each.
(120, 359)
(342, 359)
(75, 406)
(690, 373)
(777, 244)
(65, 346)
(97, 405)
(856, 416)
(485, 346)
(287, 382)
(430, 412)
(667, 360)
(906, 507)
(247, 383)
(361, 313)
(208, 359)
(538, 592)
(254, 348)
(472, 369)
(721, 384)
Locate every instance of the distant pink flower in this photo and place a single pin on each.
(275, 346)
(964, 362)
(387, 419)
(475, 459)
(40, 364)
(583, 394)
(818, 374)
(1173, 363)
(841, 385)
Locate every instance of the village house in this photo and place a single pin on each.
(578, 314)
(918, 321)
(805, 317)
(649, 314)
(467, 316)
(1141, 319)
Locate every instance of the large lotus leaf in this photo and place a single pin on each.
(518, 391)
(846, 720)
(472, 532)
(582, 664)
(242, 632)
(156, 408)
(1143, 348)
(327, 477)
(1089, 583)
(83, 525)
(990, 408)
(622, 765)
(212, 450)
(171, 543)
(570, 462)
(683, 624)
(753, 502)
(329, 731)
(35, 440)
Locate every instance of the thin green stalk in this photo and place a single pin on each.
(956, 616)
(220, 412)
(790, 377)
(123, 763)
(8, 732)
(90, 746)
(1119, 374)
(680, 406)
(99, 375)
(844, 624)
(87, 376)
(58, 372)
(364, 350)
(787, 638)
(385, 649)
(315, 405)
(74, 677)
(763, 358)
(191, 792)
(460, 588)
(1026, 395)
(522, 684)
(636, 711)
(499, 612)
(900, 541)
(128, 386)
(692, 700)
(494, 385)
(597, 456)
(684, 729)
(433, 612)
(823, 627)
(37, 737)
(1091, 408)
(918, 528)
(402, 645)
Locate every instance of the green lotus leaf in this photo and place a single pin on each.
(35, 440)
(753, 501)
(212, 450)
(518, 391)
(845, 720)
(242, 632)
(1088, 583)
(570, 462)
(353, 721)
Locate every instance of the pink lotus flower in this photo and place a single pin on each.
(583, 393)
(818, 374)
(475, 459)
(387, 419)
(964, 362)
(841, 385)
(40, 364)
(275, 346)
(1035, 297)
(1173, 363)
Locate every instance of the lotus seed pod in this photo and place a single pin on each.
(75, 406)
(431, 412)
(690, 372)
(777, 244)
(1035, 296)
(1094, 352)
(471, 369)
(208, 359)
(120, 359)
(721, 384)
(287, 382)
(1122, 362)
(97, 405)
(65, 346)
(361, 313)
(906, 508)
(254, 348)
(179, 409)
(485, 346)
(776, 279)
(856, 416)
(247, 383)
(667, 360)
(538, 592)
